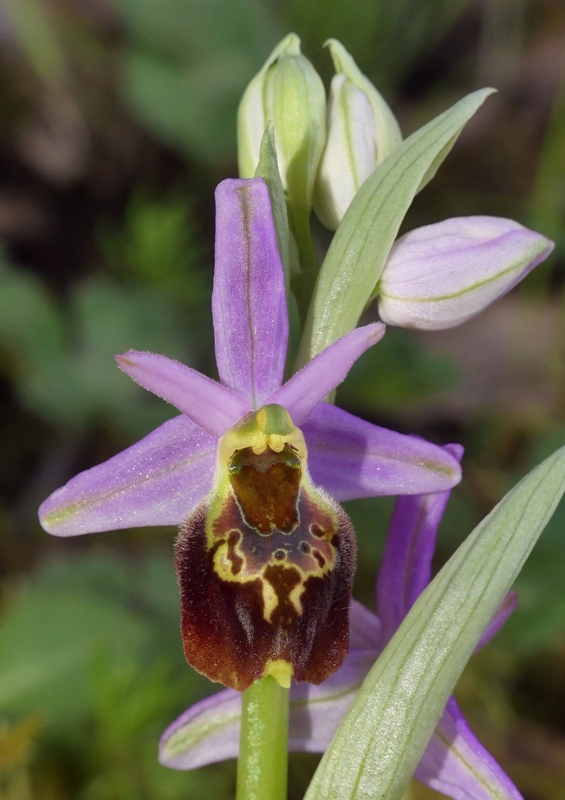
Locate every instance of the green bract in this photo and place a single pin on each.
(268, 169)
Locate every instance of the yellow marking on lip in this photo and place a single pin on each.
(223, 567)
(295, 596)
(281, 671)
(233, 561)
(270, 599)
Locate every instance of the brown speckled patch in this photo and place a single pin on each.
(255, 593)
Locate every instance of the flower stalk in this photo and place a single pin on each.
(305, 281)
(263, 743)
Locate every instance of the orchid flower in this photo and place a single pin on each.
(454, 763)
(251, 455)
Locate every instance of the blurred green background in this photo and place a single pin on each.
(117, 120)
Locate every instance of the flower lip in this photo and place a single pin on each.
(272, 557)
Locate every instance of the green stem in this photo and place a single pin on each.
(263, 743)
(303, 284)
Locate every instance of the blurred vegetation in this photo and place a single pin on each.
(117, 121)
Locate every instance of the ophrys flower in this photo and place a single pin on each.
(265, 555)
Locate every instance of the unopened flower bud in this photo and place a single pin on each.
(441, 275)
(289, 93)
(362, 131)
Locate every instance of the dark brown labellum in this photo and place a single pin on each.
(265, 570)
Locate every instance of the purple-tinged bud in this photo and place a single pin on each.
(441, 275)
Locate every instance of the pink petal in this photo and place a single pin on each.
(213, 407)
(351, 458)
(328, 369)
(364, 627)
(441, 275)
(156, 481)
(406, 564)
(184, 746)
(501, 614)
(456, 764)
(249, 298)
(209, 731)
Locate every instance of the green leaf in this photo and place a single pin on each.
(192, 108)
(158, 244)
(356, 257)
(548, 203)
(375, 384)
(33, 27)
(62, 363)
(380, 741)
(541, 620)
(198, 32)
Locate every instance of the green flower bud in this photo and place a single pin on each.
(288, 92)
(362, 131)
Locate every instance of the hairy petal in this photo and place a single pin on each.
(249, 299)
(213, 407)
(352, 458)
(261, 608)
(456, 764)
(324, 372)
(406, 564)
(156, 481)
